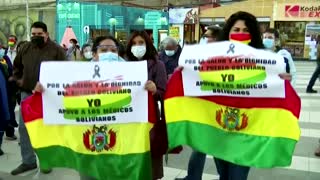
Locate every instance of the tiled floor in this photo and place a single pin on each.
(305, 165)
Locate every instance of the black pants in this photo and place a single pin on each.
(314, 77)
(10, 131)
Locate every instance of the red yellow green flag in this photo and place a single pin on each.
(105, 152)
(255, 132)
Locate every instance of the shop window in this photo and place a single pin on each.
(292, 35)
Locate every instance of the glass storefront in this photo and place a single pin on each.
(104, 19)
(292, 37)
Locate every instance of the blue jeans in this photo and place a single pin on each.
(196, 166)
(27, 153)
(230, 171)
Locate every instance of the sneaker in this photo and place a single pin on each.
(311, 91)
(317, 152)
(45, 171)
(11, 138)
(24, 168)
(1, 152)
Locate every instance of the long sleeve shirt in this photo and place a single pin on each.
(26, 66)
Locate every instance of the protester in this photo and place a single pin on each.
(86, 52)
(26, 74)
(198, 159)
(242, 27)
(105, 48)
(170, 54)
(140, 48)
(12, 44)
(73, 52)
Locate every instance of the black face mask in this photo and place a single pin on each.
(37, 40)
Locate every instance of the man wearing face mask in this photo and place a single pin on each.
(170, 55)
(270, 36)
(26, 69)
(12, 43)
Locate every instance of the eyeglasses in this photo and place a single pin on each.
(107, 48)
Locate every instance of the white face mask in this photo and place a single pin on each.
(88, 55)
(169, 52)
(70, 45)
(138, 51)
(204, 40)
(109, 56)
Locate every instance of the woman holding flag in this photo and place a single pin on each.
(241, 27)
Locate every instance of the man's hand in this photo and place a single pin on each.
(39, 88)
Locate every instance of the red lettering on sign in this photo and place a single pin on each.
(317, 14)
(311, 14)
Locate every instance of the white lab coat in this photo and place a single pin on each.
(293, 70)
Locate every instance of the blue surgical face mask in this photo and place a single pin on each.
(170, 52)
(268, 43)
(2, 51)
(110, 56)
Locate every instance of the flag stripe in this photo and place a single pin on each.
(292, 104)
(205, 112)
(127, 139)
(242, 149)
(100, 166)
(105, 99)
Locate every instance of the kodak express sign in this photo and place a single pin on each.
(298, 12)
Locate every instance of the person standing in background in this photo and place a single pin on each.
(270, 37)
(73, 52)
(86, 52)
(315, 74)
(12, 51)
(170, 54)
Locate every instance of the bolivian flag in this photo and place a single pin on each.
(255, 132)
(105, 152)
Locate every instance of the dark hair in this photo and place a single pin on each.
(41, 25)
(121, 50)
(273, 31)
(216, 32)
(252, 25)
(151, 53)
(74, 41)
(98, 40)
(15, 37)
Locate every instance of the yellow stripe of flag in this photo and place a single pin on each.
(128, 141)
(205, 112)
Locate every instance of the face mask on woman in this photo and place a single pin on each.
(110, 56)
(244, 38)
(138, 51)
